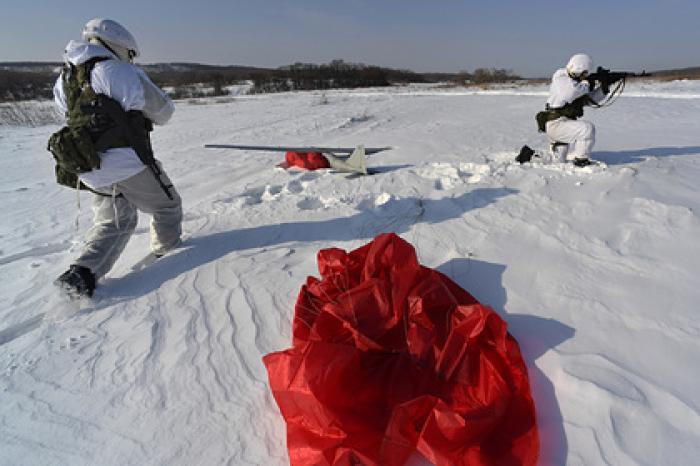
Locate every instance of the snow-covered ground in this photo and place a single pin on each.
(595, 270)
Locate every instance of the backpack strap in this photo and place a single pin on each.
(76, 78)
(90, 65)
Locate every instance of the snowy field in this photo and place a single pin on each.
(594, 269)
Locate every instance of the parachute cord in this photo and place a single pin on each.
(616, 93)
(77, 199)
(612, 97)
(114, 205)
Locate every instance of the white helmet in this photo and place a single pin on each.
(578, 64)
(113, 35)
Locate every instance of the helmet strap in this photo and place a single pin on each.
(129, 57)
(575, 77)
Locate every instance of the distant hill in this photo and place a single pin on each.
(181, 67)
(184, 67)
(41, 67)
(31, 66)
(687, 73)
(34, 80)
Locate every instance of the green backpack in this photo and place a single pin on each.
(73, 146)
(96, 123)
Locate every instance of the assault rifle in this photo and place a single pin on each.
(607, 77)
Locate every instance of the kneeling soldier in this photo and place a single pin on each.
(571, 89)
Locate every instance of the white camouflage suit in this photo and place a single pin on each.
(128, 185)
(578, 134)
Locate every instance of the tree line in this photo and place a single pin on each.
(337, 74)
(486, 76)
(25, 85)
(27, 81)
(183, 80)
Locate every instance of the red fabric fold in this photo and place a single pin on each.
(307, 160)
(391, 359)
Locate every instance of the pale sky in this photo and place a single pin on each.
(530, 37)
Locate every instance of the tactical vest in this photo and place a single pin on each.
(572, 110)
(90, 128)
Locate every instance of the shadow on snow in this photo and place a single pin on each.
(395, 216)
(634, 156)
(535, 335)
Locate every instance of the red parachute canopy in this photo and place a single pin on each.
(307, 160)
(391, 359)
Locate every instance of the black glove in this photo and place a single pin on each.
(603, 79)
(591, 81)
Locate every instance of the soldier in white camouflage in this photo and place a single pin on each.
(110, 105)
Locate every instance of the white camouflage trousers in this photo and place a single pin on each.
(116, 216)
(578, 134)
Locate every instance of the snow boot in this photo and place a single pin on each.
(77, 281)
(558, 151)
(582, 162)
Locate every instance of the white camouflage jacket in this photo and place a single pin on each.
(564, 90)
(128, 85)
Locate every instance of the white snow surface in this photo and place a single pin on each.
(594, 269)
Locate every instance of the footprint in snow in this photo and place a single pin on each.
(443, 175)
(259, 195)
(309, 176)
(310, 203)
(295, 187)
(253, 196)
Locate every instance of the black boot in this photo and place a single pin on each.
(582, 162)
(77, 281)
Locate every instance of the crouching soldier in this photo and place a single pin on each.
(572, 88)
(110, 106)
